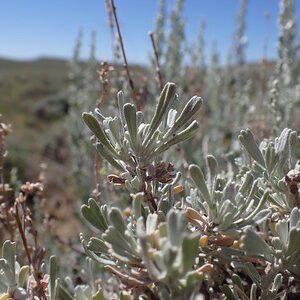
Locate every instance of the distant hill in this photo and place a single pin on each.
(44, 66)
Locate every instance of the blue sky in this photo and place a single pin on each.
(37, 28)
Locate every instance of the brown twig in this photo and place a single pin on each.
(38, 253)
(156, 59)
(130, 81)
(114, 43)
(22, 233)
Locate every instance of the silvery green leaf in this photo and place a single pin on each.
(9, 254)
(92, 213)
(253, 190)
(176, 223)
(247, 140)
(193, 200)
(247, 183)
(217, 196)
(95, 127)
(259, 206)
(225, 208)
(228, 292)
(227, 221)
(282, 141)
(178, 138)
(261, 216)
(97, 245)
(142, 129)
(169, 255)
(190, 109)
(283, 150)
(140, 228)
(118, 234)
(130, 117)
(254, 245)
(163, 205)
(114, 127)
(250, 270)
(120, 244)
(151, 223)
(293, 243)
(111, 138)
(154, 272)
(282, 230)
(277, 283)
(166, 97)
(189, 251)
(136, 183)
(10, 277)
(23, 275)
(236, 279)
(92, 255)
(158, 259)
(121, 103)
(199, 180)
(171, 117)
(277, 243)
(53, 277)
(107, 156)
(270, 158)
(230, 191)
(128, 185)
(212, 166)
(253, 292)
(137, 204)
(116, 219)
(151, 143)
(294, 217)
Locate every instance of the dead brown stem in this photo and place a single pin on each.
(157, 64)
(130, 81)
(22, 233)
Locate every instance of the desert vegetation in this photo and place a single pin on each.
(177, 180)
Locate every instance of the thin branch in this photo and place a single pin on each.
(156, 59)
(111, 25)
(131, 84)
(22, 233)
